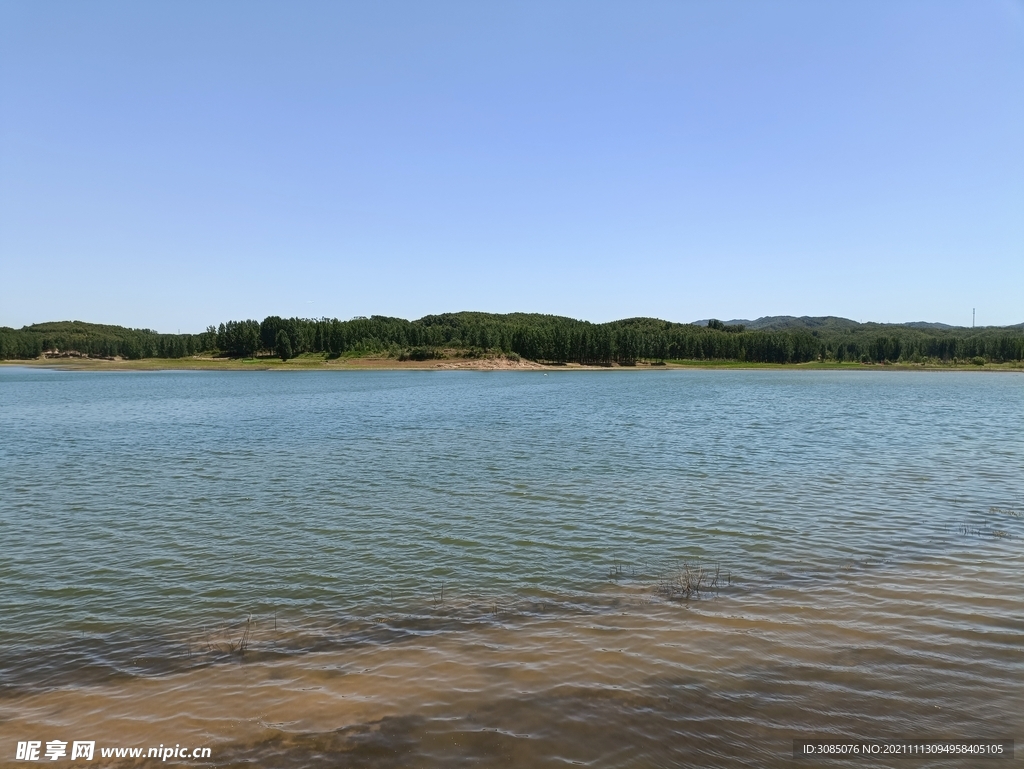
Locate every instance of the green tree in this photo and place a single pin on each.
(283, 345)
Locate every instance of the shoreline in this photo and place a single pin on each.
(492, 363)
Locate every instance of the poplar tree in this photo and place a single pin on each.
(284, 345)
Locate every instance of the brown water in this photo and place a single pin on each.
(869, 586)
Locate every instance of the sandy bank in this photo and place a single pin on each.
(489, 363)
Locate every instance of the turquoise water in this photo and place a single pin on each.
(144, 514)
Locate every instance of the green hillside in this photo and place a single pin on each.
(549, 338)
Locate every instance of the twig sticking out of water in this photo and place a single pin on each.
(434, 596)
(243, 643)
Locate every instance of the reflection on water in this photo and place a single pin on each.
(417, 569)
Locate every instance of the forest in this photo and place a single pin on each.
(535, 337)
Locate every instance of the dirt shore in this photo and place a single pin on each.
(311, 362)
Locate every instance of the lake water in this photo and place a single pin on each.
(487, 568)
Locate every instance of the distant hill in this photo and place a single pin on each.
(925, 325)
(789, 323)
(81, 327)
(833, 323)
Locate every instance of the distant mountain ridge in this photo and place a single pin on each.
(832, 322)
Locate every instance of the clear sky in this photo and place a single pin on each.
(175, 164)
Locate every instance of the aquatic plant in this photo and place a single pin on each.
(618, 569)
(1005, 511)
(223, 640)
(968, 529)
(690, 581)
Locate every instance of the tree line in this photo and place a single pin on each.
(546, 338)
(101, 341)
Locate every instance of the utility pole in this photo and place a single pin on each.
(973, 311)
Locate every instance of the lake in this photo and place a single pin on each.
(611, 568)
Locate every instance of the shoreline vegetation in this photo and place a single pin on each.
(482, 341)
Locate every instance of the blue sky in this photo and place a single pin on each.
(171, 165)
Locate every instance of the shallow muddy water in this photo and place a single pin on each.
(488, 568)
